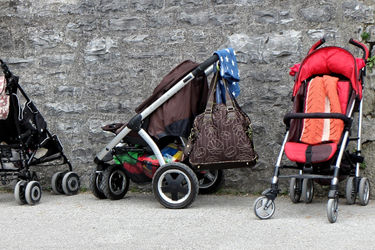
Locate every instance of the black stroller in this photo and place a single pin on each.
(327, 93)
(175, 184)
(25, 142)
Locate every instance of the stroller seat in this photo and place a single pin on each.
(319, 138)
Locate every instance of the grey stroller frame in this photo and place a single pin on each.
(175, 185)
(26, 142)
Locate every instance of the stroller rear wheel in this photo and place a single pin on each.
(175, 185)
(33, 192)
(307, 190)
(70, 183)
(295, 188)
(19, 192)
(350, 192)
(332, 209)
(95, 183)
(364, 191)
(56, 183)
(210, 181)
(264, 208)
(115, 182)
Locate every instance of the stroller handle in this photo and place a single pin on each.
(363, 47)
(317, 45)
(199, 70)
(347, 120)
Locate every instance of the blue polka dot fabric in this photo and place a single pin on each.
(229, 72)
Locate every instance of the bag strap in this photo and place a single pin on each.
(210, 100)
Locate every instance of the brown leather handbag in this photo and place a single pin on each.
(221, 137)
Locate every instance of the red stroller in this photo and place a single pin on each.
(327, 93)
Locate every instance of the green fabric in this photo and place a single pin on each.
(130, 157)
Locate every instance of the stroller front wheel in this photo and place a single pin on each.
(175, 185)
(33, 192)
(350, 192)
(19, 192)
(56, 183)
(295, 189)
(364, 191)
(332, 209)
(264, 208)
(115, 182)
(95, 183)
(70, 183)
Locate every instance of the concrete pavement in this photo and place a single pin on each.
(212, 222)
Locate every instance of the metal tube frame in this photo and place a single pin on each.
(145, 113)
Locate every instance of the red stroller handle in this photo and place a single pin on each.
(363, 47)
(317, 45)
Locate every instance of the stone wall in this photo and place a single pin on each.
(87, 63)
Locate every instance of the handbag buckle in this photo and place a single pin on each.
(230, 109)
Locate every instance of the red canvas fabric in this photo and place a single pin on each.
(319, 153)
(331, 60)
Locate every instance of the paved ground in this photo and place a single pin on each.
(213, 222)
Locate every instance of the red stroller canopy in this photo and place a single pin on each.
(331, 60)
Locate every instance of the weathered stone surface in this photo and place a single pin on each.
(89, 63)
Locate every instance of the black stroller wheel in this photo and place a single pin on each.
(332, 209)
(175, 185)
(33, 192)
(115, 182)
(264, 208)
(364, 191)
(95, 182)
(70, 183)
(295, 189)
(210, 181)
(307, 190)
(56, 183)
(19, 192)
(350, 193)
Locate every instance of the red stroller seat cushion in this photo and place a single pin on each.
(305, 153)
(322, 97)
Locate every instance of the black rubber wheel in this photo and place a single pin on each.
(175, 185)
(33, 192)
(115, 182)
(19, 192)
(364, 191)
(95, 181)
(210, 181)
(56, 183)
(307, 190)
(295, 189)
(350, 193)
(332, 209)
(70, 183)
(264, 208)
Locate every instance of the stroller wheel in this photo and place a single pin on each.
(19, 192)
(175, 185)
(307, 190)
(95, 182)
(332, 209)
(295, 189)
(264, 208)
(350, 193)
(115, 182)
(210, 181)
(56, 183)
(33, 192)
(364, 191)
(70, 183)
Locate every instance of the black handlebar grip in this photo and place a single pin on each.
(199, 70)
(361, 46)
(317, 45)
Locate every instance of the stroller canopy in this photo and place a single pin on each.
(331, 60)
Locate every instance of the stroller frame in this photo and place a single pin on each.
(264, 206)
(104, 172)
(28, 189)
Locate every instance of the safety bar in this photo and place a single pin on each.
(363, 47)
(317, 45)
(199, 70)
(290, 116)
